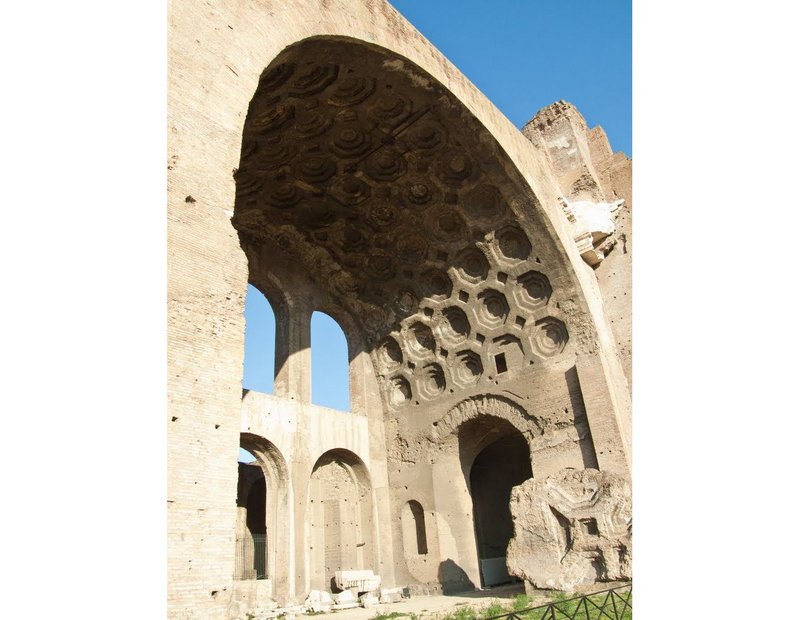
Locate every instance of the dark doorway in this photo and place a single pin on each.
(498, 468)
(251, 536)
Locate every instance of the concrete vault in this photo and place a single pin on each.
(349, 168)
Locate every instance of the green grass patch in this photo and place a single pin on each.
(394, 614)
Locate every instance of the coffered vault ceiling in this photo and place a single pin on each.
(395, 199)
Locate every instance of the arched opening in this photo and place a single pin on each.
(499, 466)
(259, 342)
(415, 537)
(341, 524)
(251, 520)
(330, 381)
(263, 515)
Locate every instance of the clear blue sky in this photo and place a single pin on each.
(526, 54)
(523, 55)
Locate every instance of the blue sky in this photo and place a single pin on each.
(526, 54)
(523, 55)
(329, 365)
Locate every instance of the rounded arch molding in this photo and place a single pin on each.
(446, 428)
(268, 456)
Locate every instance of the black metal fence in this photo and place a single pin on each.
(612, 604)
(251, 557)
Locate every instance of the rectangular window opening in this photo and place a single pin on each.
(500, 363)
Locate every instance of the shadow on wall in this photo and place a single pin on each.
(579, 411)
(453, 578)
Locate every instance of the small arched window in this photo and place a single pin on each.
(415, 538)
(330, 365)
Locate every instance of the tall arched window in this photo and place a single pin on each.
(330, 364)
(259, 343)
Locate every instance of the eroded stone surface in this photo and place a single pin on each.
(571, 528)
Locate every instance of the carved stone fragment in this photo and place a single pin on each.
(571, 528)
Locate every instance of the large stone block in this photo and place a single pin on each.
(571, 528)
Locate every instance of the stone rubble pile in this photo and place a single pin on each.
(321, 601)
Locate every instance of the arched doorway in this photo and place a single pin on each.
(251, 521)
(494, 455)
(497, 469)
(341, 523)
(264, 519)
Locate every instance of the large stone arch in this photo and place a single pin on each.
(400, 204)
(217, 54)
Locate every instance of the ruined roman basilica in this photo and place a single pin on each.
(328, 155)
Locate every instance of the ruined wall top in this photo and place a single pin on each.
(584, 164)
(555, 112)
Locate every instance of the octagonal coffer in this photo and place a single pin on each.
(535, 289)
(431, 381)
(437, 283)
(454, 325)
(454, 168)
(421, 340)
(390, 354)
(446, 224)
(472, 265)
(352, 89)
(411, 246)
(350, 140)
(493, 308)
(350, 190)
(513, 243)
(418, 193)
(312, 78)
(312, 122)
(385, 165)
(272, 78)
(427, 136)
(468, 367)
(272, 118)
(399, 390)
(390, 109)
(282, 195)
(549, 336)
(315, 169)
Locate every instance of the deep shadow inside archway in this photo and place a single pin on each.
(264, 516)
(498, 467)
(251, 530)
